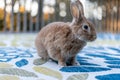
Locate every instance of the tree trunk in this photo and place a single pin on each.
(5, 26)
(12, 18)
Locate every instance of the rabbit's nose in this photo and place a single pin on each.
(93, 37)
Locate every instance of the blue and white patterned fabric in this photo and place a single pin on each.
(99, 60)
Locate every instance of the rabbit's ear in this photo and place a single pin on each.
(76, 8)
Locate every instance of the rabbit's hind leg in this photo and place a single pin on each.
(55, 55)
(42, 52)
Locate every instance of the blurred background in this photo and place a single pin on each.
(22, 19)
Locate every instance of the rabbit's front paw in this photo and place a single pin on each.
(62, 64)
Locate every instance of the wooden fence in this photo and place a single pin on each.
(110, 20)
(32, 15)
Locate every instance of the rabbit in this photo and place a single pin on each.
(61, 41)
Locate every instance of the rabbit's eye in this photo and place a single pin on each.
(85, 27)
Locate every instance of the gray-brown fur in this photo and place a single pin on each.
(62, 41)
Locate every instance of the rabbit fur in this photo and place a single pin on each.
(62, 41)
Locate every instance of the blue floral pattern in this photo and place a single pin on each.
(7, 54)
(100, 62)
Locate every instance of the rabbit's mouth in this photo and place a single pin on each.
(87, 39)
(81, 38)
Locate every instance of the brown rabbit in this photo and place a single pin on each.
(62, 41)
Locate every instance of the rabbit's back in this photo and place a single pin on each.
(53, 33)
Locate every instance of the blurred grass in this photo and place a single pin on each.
(105, 43)
(17, 40)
